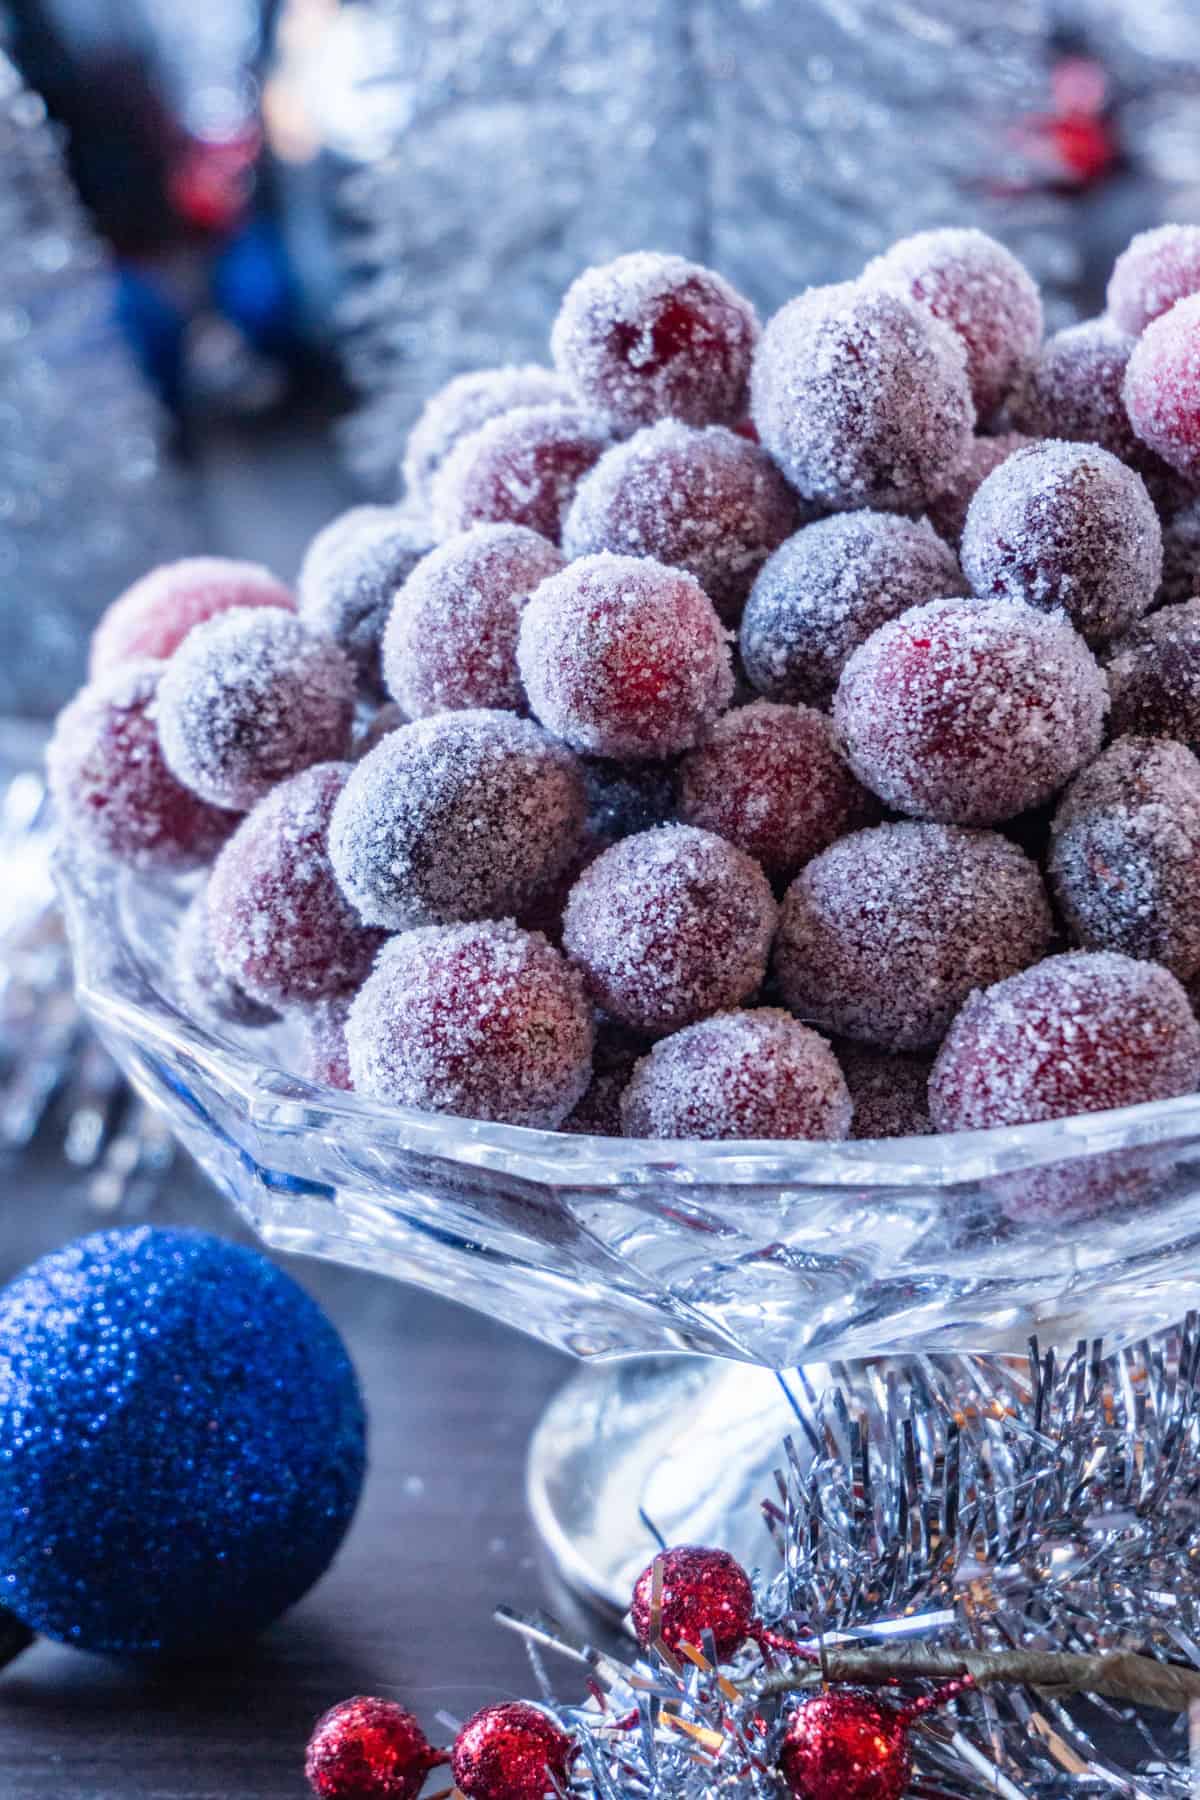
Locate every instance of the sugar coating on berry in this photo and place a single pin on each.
(624, 797)
(1154, 676)
(482, 1020)
(322, 1056)
(351, 574)
(463, 405)
(1076, 391)
(1162, 388)
(1066, 526)
(754, 1074)
(456, 817)
(205, 992)
(1181, 556)
(890, 1091)
(1156, 269)
(1125, 854)
(948, 512)
(980, 290)
(110, 782)
(669, 926)
(152, 618)
(651, 337)
(703, 500)
(970, 711)
(250, 698)
(623, 657)
(520, 469)
(614, 1056)
(862, 398)
(883, 936)
(828, 588)
(772, 780)
(451, 639)
(281, 928)
(1088, 1031)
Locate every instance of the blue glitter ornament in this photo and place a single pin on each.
(182, 1443)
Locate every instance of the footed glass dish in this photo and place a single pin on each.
(765, 1255)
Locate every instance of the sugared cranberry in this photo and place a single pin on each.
(205, 992)
(451, 640)
(828, 588)
(970, 711)
(350, 576)
(520, 469)
(948, 513)
(701, 500)
(669, 926)
(862, 398)
(249, 699)
(462, 406)
(1157, 268)
(883, 936)
(623, 657)
(651, 337)
(1162, 388)
(323, 1056)
(483, 1020)
(456, 817)
(1154, 676)
(1076, 391)
(754, 1074)
(111, 784)
(152, 618)
(890, 1091)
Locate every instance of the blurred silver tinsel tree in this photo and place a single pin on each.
(86, 500)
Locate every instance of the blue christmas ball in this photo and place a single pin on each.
(182, 1443)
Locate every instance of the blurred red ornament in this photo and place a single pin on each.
(367, 1749)
(1075, 145)
(211, 181)
(514, 1751)
(702, 1590)
(847, 1745)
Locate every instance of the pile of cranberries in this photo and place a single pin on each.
(737, 732)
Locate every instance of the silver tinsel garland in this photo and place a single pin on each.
(952, 1504)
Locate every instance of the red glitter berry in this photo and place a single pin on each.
(451, 640)
(771, 780)
(702, 1590)
(970, 711)
(1154, 676)
(513, 1751)
(890, 1092)
(1157, 268)
(751, 1075)
(1162, 388)
(883, 936)
(484, 1021)
(280, 927)
(465, 404)
(980, 290)
(204, 991)
(948, 512)
(349, 579)
(862, 398)
(111, 784)
(152, 618)
(651, 337)
(669, 926)
(847, 1744)
(368, 1749)
(623, 657)
(701, 500)
(520, 469)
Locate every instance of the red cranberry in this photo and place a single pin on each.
(1156, 269)
(520, 469)
(350, 576)
(1154, 676)
(204, 991)
(1162, 392)
(462, 406)
(152, 618)
(948, 512)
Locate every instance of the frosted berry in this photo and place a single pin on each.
(847, 1744)
(948, 512)
(1162, 388)
(111, 785)
(890, 1091)
(970, 711)
(280, 926)
(883, 936)
(828, 588)
(701, 500)
(702, 1590)
(368, 1749)
(513, 1751)
(1125, 855)
(451, 640)
(205, 993)
(456, 817)
(1154, 676)
(483, 1020)
(772, 780)
(1181, 556)
(623, 657)
(754, 1074)
(520, 469)
(1066, 526)
(862, 398)
(350, 576)
(1076, 391)
(669, 926)
(462, 406)
(651, 337)
(1156, 269)
(323, 1057)
(980, 290)
(152, 618)
(598, 1114)
(249, 699)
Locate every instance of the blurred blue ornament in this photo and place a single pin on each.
(182, 1443)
